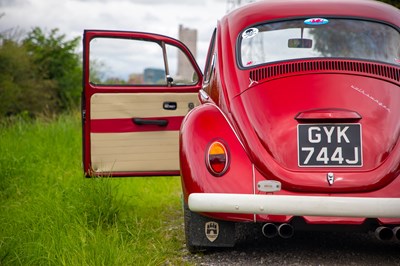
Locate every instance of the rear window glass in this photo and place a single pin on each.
(319, 37)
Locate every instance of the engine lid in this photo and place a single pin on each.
(322, 132)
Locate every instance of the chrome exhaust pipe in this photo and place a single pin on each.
(384, 233)
(285, 230)
(269, 230)
(396, 233)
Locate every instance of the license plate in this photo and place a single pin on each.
(329, 145)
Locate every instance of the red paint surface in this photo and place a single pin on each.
(263, 116)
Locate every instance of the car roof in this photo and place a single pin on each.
(232, 24)
(263, 11)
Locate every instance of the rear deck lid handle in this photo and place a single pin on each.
(328, 115)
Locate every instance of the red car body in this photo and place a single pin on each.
(289, 132)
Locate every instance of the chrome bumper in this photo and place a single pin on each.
(295, 205)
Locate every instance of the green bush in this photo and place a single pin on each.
(56, 59)
(22, 89)
(40, 75)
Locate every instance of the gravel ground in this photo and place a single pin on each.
(305, 248)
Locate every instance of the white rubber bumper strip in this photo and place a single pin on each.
(295, 205)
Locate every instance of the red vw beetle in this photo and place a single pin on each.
(294, 124)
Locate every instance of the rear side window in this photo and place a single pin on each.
(319, 37)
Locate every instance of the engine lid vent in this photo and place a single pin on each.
(391, 73)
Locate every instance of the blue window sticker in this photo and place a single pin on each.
(316, 21)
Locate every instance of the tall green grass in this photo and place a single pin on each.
(51, 215)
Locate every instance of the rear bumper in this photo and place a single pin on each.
(295, 205)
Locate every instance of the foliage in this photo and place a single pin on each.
(22, 90)
(56, 59)
(40, 74)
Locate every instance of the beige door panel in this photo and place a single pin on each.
(128, 105)
(137, 151)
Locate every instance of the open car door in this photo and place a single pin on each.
(137, 88)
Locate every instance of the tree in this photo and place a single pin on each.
(40, 74)
(56, 59)
(22, 89)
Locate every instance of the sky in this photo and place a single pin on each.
(71, 17)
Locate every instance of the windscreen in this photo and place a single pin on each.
(319, 37)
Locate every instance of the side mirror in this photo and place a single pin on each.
(300, 43)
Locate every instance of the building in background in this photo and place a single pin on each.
(189, 38)
(184, 70)
(154, 76)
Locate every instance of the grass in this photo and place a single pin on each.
(51, 215)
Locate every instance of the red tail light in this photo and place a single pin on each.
(217, 158)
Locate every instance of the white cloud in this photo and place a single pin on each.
(4, 3)
(71, 17)
(148, 2)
